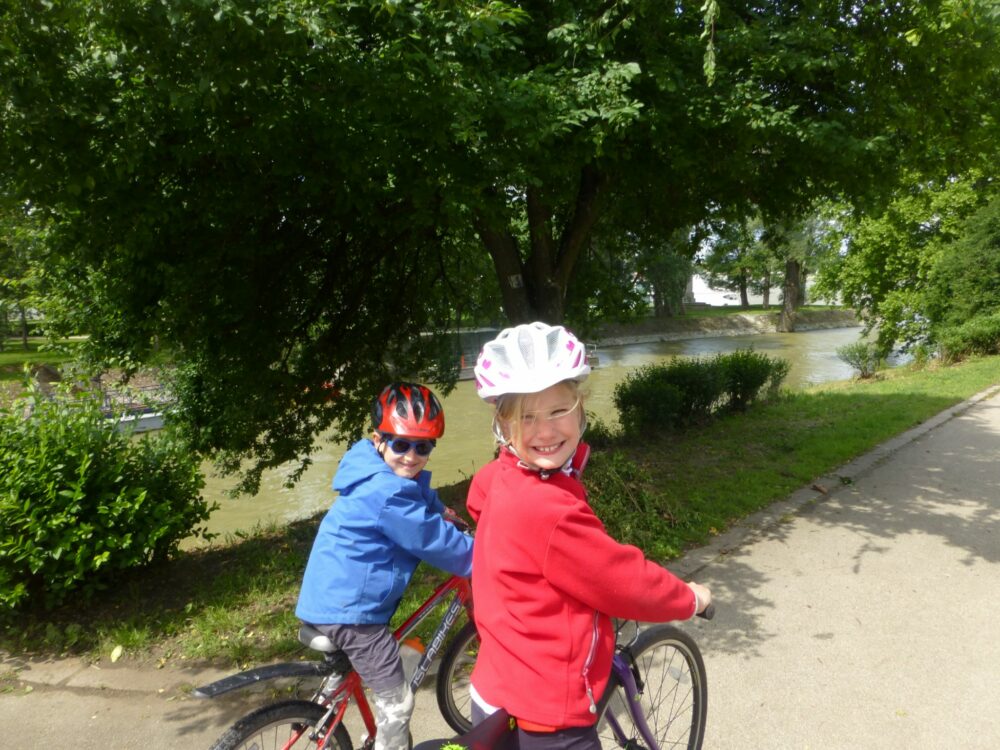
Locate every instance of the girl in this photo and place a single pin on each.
(548, 577)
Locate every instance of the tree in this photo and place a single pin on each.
(606, 284)
(731, 257)
(666, 268)
(22, 242)
(880, 264)
(964, 280)
(797, 245)
(275, 190)
(804, 104)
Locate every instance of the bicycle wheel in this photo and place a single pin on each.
(673, 695)
(453, 676)
(281, 725)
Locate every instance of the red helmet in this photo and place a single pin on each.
(408, 409)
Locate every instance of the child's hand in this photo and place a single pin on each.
(452, 517)
(702, 594)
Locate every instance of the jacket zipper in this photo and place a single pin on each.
(590, 660)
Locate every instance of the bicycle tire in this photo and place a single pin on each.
(453, 677)
(271, 727)
(674, 694)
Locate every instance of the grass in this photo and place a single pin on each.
(773, 308)
(701, 482)
(14, 357)
(232, 603)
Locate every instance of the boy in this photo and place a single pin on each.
(385, 521)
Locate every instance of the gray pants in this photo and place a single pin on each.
(374, 654)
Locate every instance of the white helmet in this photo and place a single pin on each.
(527, 359)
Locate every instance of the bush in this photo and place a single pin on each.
(687, 391)
(648, 399)
(80, 502)
(980, 335)
(751, 376)
(631, 511)
(863, 356)
(599, 435)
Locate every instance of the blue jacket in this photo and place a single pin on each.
(370, 541)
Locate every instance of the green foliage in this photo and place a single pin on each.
(863, 356)
(751, 376)
(81, 502)
(276, 191)
(684, 392)
(964, 282)
(631, 510)
(604, 287)
(891, 273)
(599, 435)
(644, 402)
(979, 335)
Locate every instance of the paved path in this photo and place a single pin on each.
(858, 615)
(866, 618)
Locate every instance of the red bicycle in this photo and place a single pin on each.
(319, 721)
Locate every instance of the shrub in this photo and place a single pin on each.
(702, 383)
(863, 356)
(631, 511)
(645, 400)
(80, 502)
(980, 335)
(750, 376)
(687, 391)
(599, 434)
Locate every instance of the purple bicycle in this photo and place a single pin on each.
(656, 699)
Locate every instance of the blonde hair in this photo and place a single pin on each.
(510, 411)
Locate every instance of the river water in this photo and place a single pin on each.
(467, 443)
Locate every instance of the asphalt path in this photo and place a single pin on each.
(861, 612)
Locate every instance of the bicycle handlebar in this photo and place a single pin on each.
(708, 613)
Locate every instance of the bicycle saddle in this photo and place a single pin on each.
(309, 636)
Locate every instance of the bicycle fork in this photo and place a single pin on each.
(627, 676)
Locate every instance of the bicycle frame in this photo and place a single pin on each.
(351, 688)
(462, 600)
(624, 675)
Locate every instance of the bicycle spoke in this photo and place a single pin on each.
(672, 698)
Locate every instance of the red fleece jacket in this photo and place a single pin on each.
(546, 579)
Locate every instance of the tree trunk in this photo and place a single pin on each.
(659, 310)
(786, 324)
(767, 290)
(502, 248)
(801, 299)
(535, 288)
(744, 295)
(24, 326)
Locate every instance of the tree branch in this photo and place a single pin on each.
(579, 228)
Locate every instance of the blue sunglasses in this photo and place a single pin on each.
(401, 446)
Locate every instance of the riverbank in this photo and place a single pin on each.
(232, 602)
(725, 323)
(915, 509)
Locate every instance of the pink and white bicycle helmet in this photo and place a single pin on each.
(528, 359)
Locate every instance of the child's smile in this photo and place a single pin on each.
(550, 428)
(406, 465)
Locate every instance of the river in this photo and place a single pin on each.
(467, 443)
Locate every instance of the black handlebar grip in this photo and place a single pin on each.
(708, 613)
